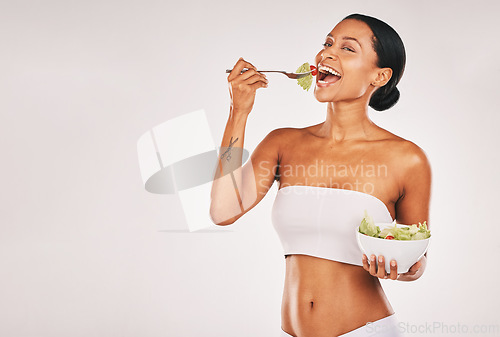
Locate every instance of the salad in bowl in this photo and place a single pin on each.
(404, 243)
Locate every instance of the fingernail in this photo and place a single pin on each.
(380, 259)
(373, 257)
(393, 263)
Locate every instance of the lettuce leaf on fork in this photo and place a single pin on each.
(306, 81)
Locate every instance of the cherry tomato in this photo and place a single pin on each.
(389, 237)
(314, 71)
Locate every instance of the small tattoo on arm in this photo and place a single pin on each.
(228, 151)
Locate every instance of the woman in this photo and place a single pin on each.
(328, 174)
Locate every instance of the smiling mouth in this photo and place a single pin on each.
(327, 75)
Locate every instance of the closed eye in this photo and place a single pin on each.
(327, 45)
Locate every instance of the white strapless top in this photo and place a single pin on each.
(322, 221)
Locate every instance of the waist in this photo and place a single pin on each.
(312, 276)
(330, 295)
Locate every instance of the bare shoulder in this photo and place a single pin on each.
(411, 163)
(284, 135)
(404, 149)
(414, 155)
(287, 132)
(411, 155)
(274, 142)
(407, 158)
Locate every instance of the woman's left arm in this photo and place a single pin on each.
(413, 205)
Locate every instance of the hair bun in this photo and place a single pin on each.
(381, 100)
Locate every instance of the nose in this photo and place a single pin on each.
(329, 53)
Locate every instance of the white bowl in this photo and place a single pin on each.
(405, 252)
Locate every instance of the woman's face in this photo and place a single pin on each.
(349, 52)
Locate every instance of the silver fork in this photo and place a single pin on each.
(293, 76)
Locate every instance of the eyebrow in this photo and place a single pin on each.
(347, 38)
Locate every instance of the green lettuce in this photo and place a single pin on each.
(368, 227)
(306, 81)
(411, 232)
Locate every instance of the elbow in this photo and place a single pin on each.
(224, 212)
(221, 222)
(219, 219)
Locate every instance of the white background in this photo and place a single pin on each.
(82, 246)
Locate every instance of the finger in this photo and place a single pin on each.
(394, 270)
(245, 75)
(238, 67)
(258, 85)
(241, 64)
(366, 266)
(381, 267)
(249, 77)
(244, 82)
(373, 265)
(249, 86)
(413, 269)
(255, 78)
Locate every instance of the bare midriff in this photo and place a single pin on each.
(324, 298)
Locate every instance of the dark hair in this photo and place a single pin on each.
(391, 54)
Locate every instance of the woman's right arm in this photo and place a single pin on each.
(237, 189)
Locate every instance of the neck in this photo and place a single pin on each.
(346, 121)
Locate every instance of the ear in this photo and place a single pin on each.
(383, 76)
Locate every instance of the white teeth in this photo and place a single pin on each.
(328, 70)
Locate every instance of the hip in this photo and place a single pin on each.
(384, 327)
